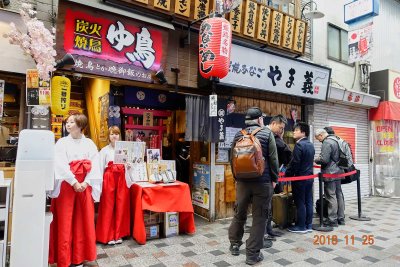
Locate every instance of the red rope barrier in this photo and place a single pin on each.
(327, 175)
(308, 177)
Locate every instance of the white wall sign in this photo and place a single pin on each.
(360, 43)
(269, 72)
(360, 9)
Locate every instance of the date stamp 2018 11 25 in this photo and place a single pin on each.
(322, 240)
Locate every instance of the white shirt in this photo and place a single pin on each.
(68, 149)
(107, 155)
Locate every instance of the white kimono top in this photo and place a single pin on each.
(68, 149)
(107, 155)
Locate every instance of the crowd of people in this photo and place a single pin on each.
(84, 176)
(258, 191)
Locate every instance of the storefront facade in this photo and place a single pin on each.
(347, 113)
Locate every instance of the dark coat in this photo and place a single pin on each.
(270, 154)
(284, 152)
(303, 159)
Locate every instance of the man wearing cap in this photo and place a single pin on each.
(257, 191)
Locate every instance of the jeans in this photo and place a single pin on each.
(334, 196)
(303, 199)
(260, 195)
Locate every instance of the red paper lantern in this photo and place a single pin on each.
(215, 39)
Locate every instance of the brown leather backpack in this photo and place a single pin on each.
(247, 157)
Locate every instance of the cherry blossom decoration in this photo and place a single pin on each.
(38, 41)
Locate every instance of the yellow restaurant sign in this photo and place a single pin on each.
(250, 20)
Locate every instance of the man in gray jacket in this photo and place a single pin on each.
(257, 191)
(329, 159)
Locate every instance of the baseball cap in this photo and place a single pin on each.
(254, 113)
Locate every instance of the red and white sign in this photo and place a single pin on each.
(118, 41)
(353, 97)
(396, 87)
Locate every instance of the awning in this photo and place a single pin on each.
(387, 110)
(352, 98)
(13, 58)
(98, 4)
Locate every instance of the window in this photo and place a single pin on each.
(337, 44)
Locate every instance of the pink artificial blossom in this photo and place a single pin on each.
(37, 41)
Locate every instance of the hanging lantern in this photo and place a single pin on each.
(60, 95)
(215, 39)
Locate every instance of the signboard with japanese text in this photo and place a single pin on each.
(201, 8)
(266, 71)
(250, 18)
(360, 43)
(32, 87)
(299, 36)
(235, 18)
(182, 7)
(394, 86)
(110, 46)
(276, 28)
(353, 97)
(360, 9)
(264, 17)
(288, 32)
(162, 4)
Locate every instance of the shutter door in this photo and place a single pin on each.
(351, 123)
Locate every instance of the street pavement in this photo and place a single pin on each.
(375, 242)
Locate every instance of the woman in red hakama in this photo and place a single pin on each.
(77, 185)
(113, 221)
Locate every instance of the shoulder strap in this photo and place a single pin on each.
(244, 132)
(340, 149)
(253, 133)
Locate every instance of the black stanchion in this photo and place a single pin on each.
(320, 227)
(360, 217)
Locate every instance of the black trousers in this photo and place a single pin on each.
(260, 195)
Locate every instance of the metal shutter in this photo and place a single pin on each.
(325, 114)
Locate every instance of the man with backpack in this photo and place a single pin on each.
(329, 160)
(254, 162)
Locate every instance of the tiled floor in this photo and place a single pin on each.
(209, 246)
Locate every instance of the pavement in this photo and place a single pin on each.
(375, 243)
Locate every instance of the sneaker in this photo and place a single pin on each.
(234, 249)
(309, 228)
(269, 237)
(250, 261)
(297, 229)
(111, 243)
(267, 243)
(119, 241)
(341, 222)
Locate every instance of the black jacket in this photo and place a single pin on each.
(303, 159)
(284, 152)
(267, 141)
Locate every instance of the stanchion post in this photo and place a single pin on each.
(360, 217)
(321, 226)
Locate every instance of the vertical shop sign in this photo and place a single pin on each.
(182, 7)
(264, 18)
(221, 119)
(299, 36)
(277, 23)
(32, 87)
(201, 8)
(288, 32)
(201, 185)
(104, 103)
(213, 105)
(147, 118)
(250, 18)
(2, 86)
(44, 92)
(360, 43)
(385, 138)
(235, 18)
(162, 4)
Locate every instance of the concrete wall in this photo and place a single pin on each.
(385, 36)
